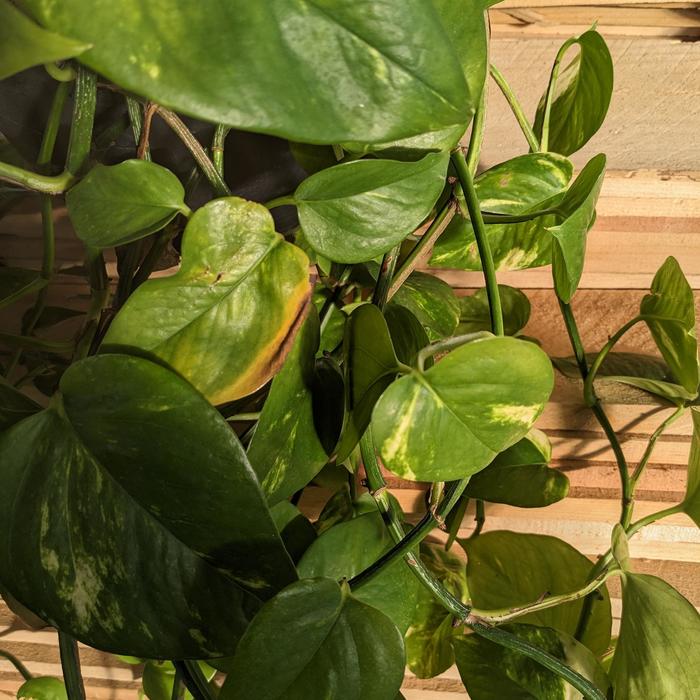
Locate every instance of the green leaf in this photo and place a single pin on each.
(227, 318)
(432, 302)
(620, 547)
(286, 452)
(44, 688)
(669, 312)
(356, 211)
(429, 638)
(102, 484)
(691, 502)
(659, 632)
(337, 72)
(313, 158)
(576, 216)
(16, 282)
(490, 671)
(315, 641)
(14, 405)
(297, 532)
(450, 421)
(474, 311)
(348, 548)
(116, 204)
(581, 96)
(370, 366)
(24, 44)
(407, 334)
(553, 567)
(519, 476)
(528, 183)
(158, 680)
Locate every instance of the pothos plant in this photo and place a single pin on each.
(153, 464)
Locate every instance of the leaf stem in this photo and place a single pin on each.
(285, 200)
(84, 103)
(479, 519)
(70, 662)
(423, 247)
(217, 147)
(588, 390)
(653, 517)
(385, 277)
(446, 345)
(221, 189)
(549, 96)
(482, 241)
(515, 107)
(194, 679)
(476, 138)
(28, 180)
(134, 108)
(21, 668)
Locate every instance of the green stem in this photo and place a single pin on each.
(285, 200)
(446, 345)
(493, 218)
(549, 97)
(386, 275)
(255, 415)
(177, 686)
(217, 147)
(136, 119)
(482, 241)
(152, 257)
(21, 668)
(476, 138)
(99, 293)
(479, 519)
(84, 102)
(422, 247)
(652, 443)
(63, 74)
(588, 390)
(515, 107)
(48, 184)
(653, 517)
(217, 183)
(70, 662)
(194, 679)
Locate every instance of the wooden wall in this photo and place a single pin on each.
(649, 208)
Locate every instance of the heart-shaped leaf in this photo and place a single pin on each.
(44, 688)
(370, 367)
(16, 282)
(355, 211)
(525, 184)
(474, 313)
(348, 548)
(553, 567)
(658, 631)
(490, 671)
(227, 318)
(581, 96)
(24, 44)
(432, 302)
(286, 452)
(314, 641)
(429, 638)
(14, 405)
(451, 421)
(407, 334)
(337, 72)
(116, 204)
(519, 476)
(669, 312)
(576, 214)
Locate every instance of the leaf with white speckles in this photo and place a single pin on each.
(452, 420)
(134, 520)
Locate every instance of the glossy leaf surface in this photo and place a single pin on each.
(314, 641)
(658, 635)
(286, 451)
(429, 638)
(16, 282)
(519, 476)
(474, 311)
(581, 96)
(432, 302)
(227, 318)
(355, 211)
(337, 72)
(347, 549)
(490, 671)
(669, 312)
(42, 688)
(524, 184)
(407, 334)
(24, 44)
(116, 204)
(577, 214)
(370, 366)
(297, 532)
(553, 566)
(450, 421)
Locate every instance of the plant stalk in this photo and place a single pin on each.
(217, 147)
(21, 668)
(194, 679)
(70, 662)
(476, 138)
(386, 275)
(84, 102)
(549, 97)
